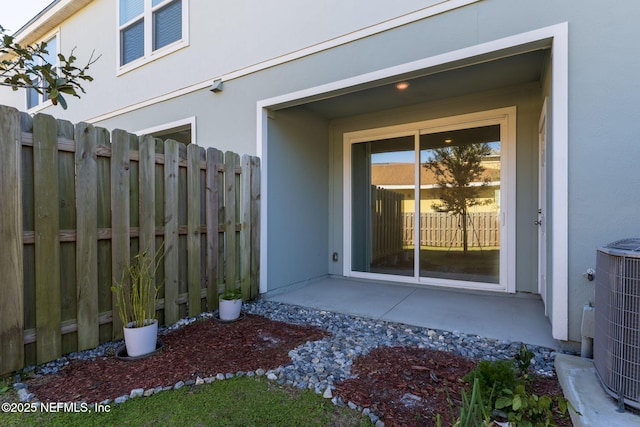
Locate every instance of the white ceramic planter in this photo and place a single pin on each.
(141, 341)
(230, 309)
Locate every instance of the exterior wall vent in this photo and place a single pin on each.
(617, 320)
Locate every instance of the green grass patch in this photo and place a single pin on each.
(241, 402)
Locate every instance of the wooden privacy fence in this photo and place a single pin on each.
(77, 203)
(445, 230)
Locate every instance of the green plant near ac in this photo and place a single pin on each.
(136, 293)
(231, 294)
(505, 386)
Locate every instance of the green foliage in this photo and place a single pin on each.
(231, 294)
(27, 67)
(493, 377)
(525, 409)
(523, 361)
(136, 293)
(473, 411)
(503, 387)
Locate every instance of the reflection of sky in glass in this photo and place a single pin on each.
(409, 156)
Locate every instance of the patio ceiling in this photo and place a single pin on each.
(457, 80)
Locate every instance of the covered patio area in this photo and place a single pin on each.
(513, 317)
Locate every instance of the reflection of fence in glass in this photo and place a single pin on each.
(445, 230)
(386, 223)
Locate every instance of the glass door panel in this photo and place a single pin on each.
(460, 204)
(383, 202)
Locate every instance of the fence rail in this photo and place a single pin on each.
(79, 202)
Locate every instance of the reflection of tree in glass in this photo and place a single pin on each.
(458, 172)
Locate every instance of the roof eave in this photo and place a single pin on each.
(47, 20)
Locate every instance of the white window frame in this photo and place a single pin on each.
(150, 54)
(191, 121)
(506, 118)
(44, 103)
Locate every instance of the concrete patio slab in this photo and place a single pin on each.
(504, 317)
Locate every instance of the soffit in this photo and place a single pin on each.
(445, 82)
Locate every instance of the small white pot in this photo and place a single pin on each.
(141, 341)
(230, 309)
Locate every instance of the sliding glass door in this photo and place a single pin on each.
(427, 203)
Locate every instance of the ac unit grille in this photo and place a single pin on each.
(616, 352)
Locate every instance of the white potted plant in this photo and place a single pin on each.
(136, 298)
(230, 304)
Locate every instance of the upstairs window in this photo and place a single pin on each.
(150, 27)
(51, 57)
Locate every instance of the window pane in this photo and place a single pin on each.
(52, 51)
(129, 9)
(167, 25)
(460, 204)
(33, 97)
(157, 2)
(383, 203)
(132, 42)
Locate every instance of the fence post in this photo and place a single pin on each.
(11, 256)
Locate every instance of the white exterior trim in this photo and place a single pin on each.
(560, 93)
(188, 121)
(560, 182)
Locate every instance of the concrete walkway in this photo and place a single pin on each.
(491, 315)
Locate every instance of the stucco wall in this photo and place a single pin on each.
(297, 249)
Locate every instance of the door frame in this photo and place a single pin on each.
(506, 118)
(542, 206)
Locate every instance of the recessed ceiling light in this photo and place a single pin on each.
(448, 141)
(402, 85)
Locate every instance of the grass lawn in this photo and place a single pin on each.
(241, 402)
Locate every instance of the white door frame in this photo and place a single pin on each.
(558, 37)
(542, 206)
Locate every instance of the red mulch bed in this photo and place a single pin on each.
(409, 387)
(405, 386)
(202, 349)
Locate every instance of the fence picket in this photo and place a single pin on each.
(214, 204)
(231, 163)
(171, 242)
(47, 238)
(120, 220)
(255, 227)
(11, 256)
(87, 241)
(193, 226)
